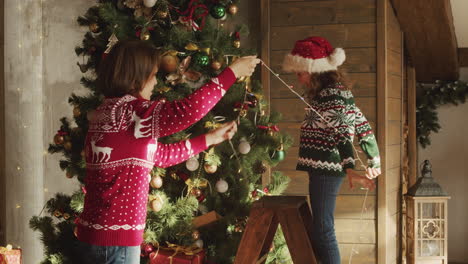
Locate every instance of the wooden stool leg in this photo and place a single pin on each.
(258, 236)
(295, 224)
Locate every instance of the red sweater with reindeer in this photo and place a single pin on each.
(121, 149)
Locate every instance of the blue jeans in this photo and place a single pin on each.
(92, 254)
(323, 190)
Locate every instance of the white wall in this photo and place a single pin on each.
(448, 154)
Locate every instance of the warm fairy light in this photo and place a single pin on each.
(18, 168)
(46, 190)
(20, 45)
(18, 206)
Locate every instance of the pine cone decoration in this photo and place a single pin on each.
(259, 167)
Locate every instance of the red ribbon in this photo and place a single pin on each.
(189, 14)
(274, 128)
(239, 105)
(183, 176)
(237, 35)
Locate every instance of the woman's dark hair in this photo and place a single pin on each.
(126, 68)
(320, 81)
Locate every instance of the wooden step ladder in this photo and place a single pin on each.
(294, 215)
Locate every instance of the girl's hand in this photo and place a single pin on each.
(226, 131)
(355, 177)
(244, 66)
(372, 173)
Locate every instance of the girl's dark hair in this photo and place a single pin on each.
(320, 81)
(126, 68)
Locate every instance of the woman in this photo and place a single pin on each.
(326, 143)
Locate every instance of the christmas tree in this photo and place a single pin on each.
(206, 200)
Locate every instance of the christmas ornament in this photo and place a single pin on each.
(192, 47)
(163, 14)
(94, 27)
(259, 167)
(216, 65)
(67, 146)
(69, 175)
(255, 195)
(148, 249)
(192, 164)
(66, 216)
(199, 243)
(59, 139)
(244, 146)
(169, 63)
(145, 35)
(252, 99)
(57, 213)
(133, 4)
(156, 182)
(76, 111)
(218, 11)
(201, 59)
(232, 9)
(196, 192)
(278, 155)
(221, 186)
(196, 235)
(149, 3)
(236, 43)
(210, 168)
(156, 204)
(112, 41)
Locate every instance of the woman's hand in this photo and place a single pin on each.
(372, 173)
(226, 131)
(355, 177)
(244, 66)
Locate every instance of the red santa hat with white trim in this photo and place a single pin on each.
(313, 55)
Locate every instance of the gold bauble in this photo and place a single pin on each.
(145, 35)
(76, 111)
(163, 14)
(169, 63)
(94, 27)
(196, 192)
(216, 65)
(243, 113)
(57, 213)
(69, 175)
(156, 205)
(236, 43)
(66, 216)
(210, 168)
(156, 182)
(67, 146)
(192, 47)
(59, 139)
(196, 235)
(232, 9)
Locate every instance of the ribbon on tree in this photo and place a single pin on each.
(273, 128)
(186, 250)
(189, 15)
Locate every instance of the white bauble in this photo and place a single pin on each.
(244, 147)
(149, 3)
(156, 205)
(156, 182)
(199, 243)
(222, 186)
(192, 164)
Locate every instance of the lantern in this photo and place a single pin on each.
(427, 220)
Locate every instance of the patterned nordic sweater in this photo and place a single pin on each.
(121, 149)
(323, 151)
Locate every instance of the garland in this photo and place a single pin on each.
(429, 98)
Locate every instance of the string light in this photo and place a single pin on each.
(18, 206)
(18, 168)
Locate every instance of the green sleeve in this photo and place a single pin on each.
(367, 140)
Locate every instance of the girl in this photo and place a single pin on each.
(326, 146)
(122, 147)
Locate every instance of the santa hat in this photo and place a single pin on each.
(313, 55)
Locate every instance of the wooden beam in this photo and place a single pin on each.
(429, 37)
(463, 57)
(382, 117)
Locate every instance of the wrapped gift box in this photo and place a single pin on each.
(169, 256)
(10, 256)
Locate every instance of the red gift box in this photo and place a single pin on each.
(177, 255)
(10, 256)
